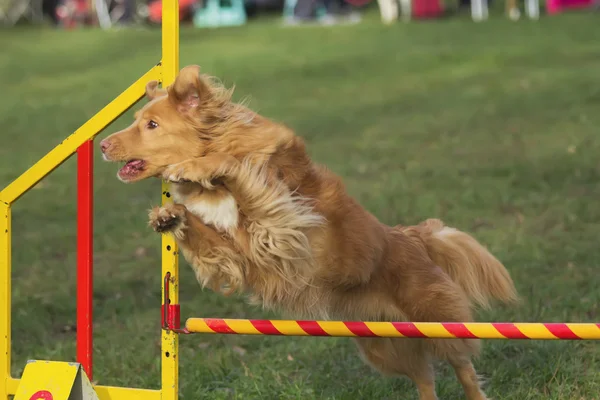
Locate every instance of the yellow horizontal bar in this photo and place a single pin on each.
(434, 330)
(335, 328)
(484, 330)
(585, 331)
(197, 325)
(289, 328)
(437, 330)
(537, 331)
(383, 330)
(87, 131)
(120, 393)
(106, 392)
(243, 325)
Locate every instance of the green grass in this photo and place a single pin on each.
(492, 127)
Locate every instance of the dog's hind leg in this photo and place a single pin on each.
(215, 260)
(458, 353)
(398, 357)
(441, 300)
(465, 372)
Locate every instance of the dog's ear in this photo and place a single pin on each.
(189, 90)
(153, 91)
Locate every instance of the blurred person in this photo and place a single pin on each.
(49, 9)
(306, 11)
(466, 4)
(122, 11)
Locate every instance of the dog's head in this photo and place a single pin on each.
(180, 122)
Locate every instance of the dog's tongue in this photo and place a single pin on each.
(132, 167)
(135, 164)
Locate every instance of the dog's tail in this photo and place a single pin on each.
(468, 263)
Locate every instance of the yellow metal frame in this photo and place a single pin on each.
(165, 72)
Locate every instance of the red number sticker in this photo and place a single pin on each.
(41, 395)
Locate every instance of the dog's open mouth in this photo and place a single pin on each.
(131, 169)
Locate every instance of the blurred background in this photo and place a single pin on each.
(483, 114)
(203, 13)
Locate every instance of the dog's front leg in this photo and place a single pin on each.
(214, 258)
(256, 188)
(203, 170)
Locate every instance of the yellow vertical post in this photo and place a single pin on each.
(170, 262)
(4, 299)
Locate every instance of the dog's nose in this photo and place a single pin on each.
(104, 145)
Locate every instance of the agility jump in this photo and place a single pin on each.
(81, 142)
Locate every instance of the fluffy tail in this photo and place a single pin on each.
(468, 263)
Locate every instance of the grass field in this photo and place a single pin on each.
(492, 127)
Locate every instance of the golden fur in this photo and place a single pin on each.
(293, 239)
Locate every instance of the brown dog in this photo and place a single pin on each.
(253, 213)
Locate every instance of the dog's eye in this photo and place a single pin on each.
(151, 125)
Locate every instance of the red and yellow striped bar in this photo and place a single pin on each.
(436, 330)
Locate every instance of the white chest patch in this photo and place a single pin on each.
(222, 214)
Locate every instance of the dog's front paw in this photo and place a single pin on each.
(169, 218)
